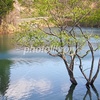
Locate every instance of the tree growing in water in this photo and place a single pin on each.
(62, 14)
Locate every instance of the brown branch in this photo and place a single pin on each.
(55, 18)
(54, 55)
(82, 32)
(73, 58)
(70, 72)
(76, 22)
(92, 53)
(87, 52)
(92, 64)
(96, 74)
(80, 66)
(50, 31)
(72, 63)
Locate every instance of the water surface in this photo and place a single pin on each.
(38, 76)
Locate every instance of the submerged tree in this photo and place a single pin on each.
(69, 44)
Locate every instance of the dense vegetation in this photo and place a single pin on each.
(37, 8)
(5, 7)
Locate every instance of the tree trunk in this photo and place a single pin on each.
(72, 79)
(94, 77)
(96, 74)
(70, 72)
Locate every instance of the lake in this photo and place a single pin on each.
(38, 76)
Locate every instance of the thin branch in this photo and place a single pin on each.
(73, 59)
(92, 64)
(76, 23)
(54, 55)
(50, 31)
(80, 66)
(87, 52)
(86, 69)
(92, 53)
(82, 32)
(96, 74)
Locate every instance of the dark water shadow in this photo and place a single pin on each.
(88, 95)
(4, 76)
(69, 96)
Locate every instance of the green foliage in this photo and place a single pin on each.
(41, 7)
(57, 11)
(27, 35)
(71, 9)
(5, 7)
(93, 19)
(75, 42)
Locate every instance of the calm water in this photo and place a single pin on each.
(38, 76)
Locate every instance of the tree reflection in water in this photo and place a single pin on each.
(89, 93)
(4, 76)
(69, 96)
